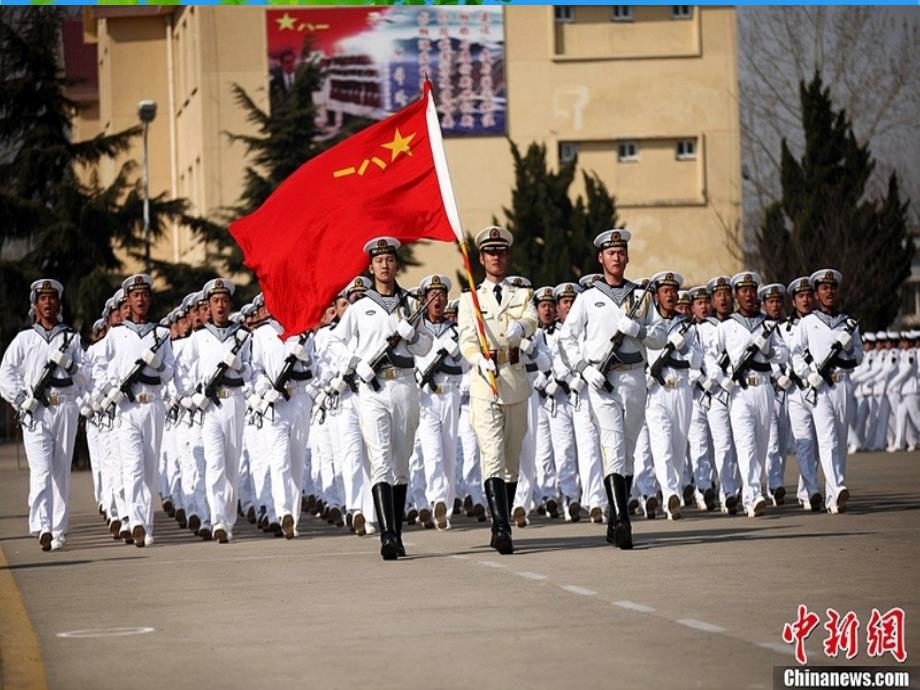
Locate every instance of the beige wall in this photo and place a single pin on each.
(592, 81)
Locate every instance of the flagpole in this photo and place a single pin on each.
(453, 216)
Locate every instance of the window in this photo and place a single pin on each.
(627, 151)
(622, 13)
(681, 11)
(564, 13)
(686, 149)
(567, 151)
(910, 300)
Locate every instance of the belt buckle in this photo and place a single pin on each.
(836, 378)
(752, 381)
(389, 374)
(223, 394)
(439, 389)
(143, 398)
(670, 384)
(54, 399)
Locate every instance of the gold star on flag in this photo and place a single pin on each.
(286, 22)
(400, 144)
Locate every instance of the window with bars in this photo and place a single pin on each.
(622, 13)
(627, 151)
(564, 13)
(681, 11)
(686, 149)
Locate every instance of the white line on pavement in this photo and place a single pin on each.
(458, 557)
(633, 606)
(574, 589)
(531, 576)
(491, 564)
(701, 625)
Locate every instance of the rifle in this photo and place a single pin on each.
(427, 376)
(210, 389)
(612, 358)
(288, 368)
(747, 358)
(391, 342)
(656, 368)
(39, 390)
(824, 369)
(139, 365)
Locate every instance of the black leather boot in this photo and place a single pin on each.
(399, 507)
(383, 504)
(511, 490)
(622, 529)
(497, 495)
(612, 517)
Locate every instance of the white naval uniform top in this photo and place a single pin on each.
(737, 332)
(691, 353)
(364, 328)
(203, 352)
(26, 357)
(817, 333)
(124, 344)
(269, 352)
(593, 319)
(906, 379)
(451, 368)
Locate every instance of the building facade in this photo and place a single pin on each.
(647, 97)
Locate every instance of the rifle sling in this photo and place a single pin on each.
(60, 383)
(148, 380)
(301, 375)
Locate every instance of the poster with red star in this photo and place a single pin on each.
(375, 60)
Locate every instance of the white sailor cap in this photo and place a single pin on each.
(45, 286)
(248, 310)
(683, 297)
(139, 281)
(218, 286)
(120, 297)
(98, 325)
(881, 335)
(588, 280)
(663, 278)
(800, 284)
(165, 321)
(494, 237)
(826, 275)
(544, 294)
(771, 290)
(381, 245)
(359, 284)
(259, 300)
(698, 292)
(519, 281)
(434, 282)
(566, 290)
(905, 335)
(615, 237)
(452, 307)
(189, 300)
(108, 307)
(746, 279)
(719, 283)
(913, 335)
(893, 335)
(235, 317)
(201, 298)
(868, 337)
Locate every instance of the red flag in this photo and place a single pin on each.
(306, 242)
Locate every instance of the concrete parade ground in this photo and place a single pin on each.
(700, 602)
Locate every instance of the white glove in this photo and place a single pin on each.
(60, 359)
(708, 385)
(150, 358)
(464, 385)
(784, 382)
(515, 333)
(232, 361)
(844, 338)
(526, 346)
(406, 330)
(294, 347)
(486, 366)
(677, 341)
(577, 384)
(539, 381)
(338, 384)
(115, 396)
(628, 327)
(271, 396)
(30, 404)
(201, 401)
(593, 376)
(543, 361)
(86, 411)
(727, 384)
(187, 403)
(815, 380)
(320, 399)
(364, 371)
(252, 401)
(551, 388)
(649, 381)
(763, 344)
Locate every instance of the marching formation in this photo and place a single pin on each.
(602, 399)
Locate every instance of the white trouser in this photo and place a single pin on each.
(162, 470)
(323, 473)
(878, 428)
(353, 458)
(804, 442)
(907, 421)
(247, 493)
(619, 417)
(94, 444)
(699, 444)
(894, 402)
(222, 439)
(750, 412)
(527, 469)
(668, 418)
(858, 422)
(723, 448)
(469, 449)
(437, 435)
(644, 483)
(562, 430)
(544, 462)
(255, 439)
(416, 494)
(592, 466)
(286, 435)
(49, 441)
(113, 479)
(830, 416)
(192, 467)
(389, 420)
(173, 466)
(140, 430)
(777, 445)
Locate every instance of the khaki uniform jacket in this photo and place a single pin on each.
(517, 305)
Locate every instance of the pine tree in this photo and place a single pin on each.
(825, 220)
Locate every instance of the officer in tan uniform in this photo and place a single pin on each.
(500, 422)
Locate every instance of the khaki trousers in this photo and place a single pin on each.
(500, 430)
